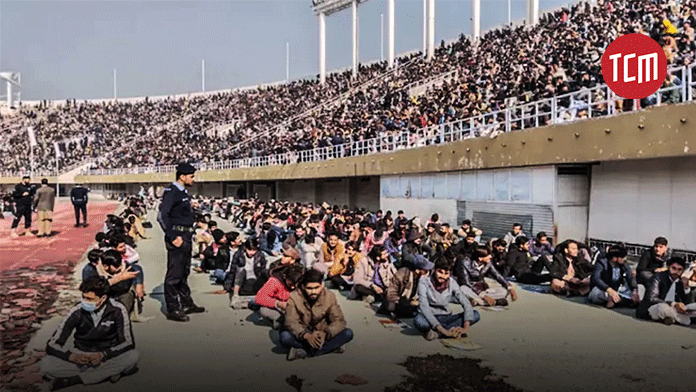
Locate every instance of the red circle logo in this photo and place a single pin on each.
(634, 66)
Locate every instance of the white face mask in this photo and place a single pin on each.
(89, 306)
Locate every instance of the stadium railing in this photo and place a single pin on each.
(596, 102)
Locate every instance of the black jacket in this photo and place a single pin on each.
(175, 210)
(212, 261)
(18, 194)
(656, 292)
(78, 196)
(602, 276)
(113, 336)
(239, 261)
(559, 267)
(647, 265)
(518, 262)
(409, 252)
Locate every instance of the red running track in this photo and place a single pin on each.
(67, 243)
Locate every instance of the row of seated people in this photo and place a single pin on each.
(293, 295)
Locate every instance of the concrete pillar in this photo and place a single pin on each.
(10, 100)
(355, 37)
(425, 27)
(532, 12)
(322, 48)
(476, 19)
(391, 33)
(431, 29)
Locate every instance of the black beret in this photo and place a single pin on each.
(185, 168)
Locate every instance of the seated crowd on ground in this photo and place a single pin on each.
(288, 261)
(508, 66)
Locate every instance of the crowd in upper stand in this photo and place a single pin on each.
(509, 66)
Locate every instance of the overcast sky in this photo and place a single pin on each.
(68, 49)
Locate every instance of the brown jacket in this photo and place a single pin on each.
(324, 315)
(403, 284)
(45, 199)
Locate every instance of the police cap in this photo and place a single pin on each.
(185, 168)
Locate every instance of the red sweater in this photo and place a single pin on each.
(274, 290)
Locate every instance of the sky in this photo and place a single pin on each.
(69, 49)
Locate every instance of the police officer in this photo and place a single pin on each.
(23, 196)
(79, 198)
(176, 218)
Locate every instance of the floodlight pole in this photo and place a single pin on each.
(322, 48)
(425, 27)
(355, 37)
(476, 19)
(391, 33)
(431, 29)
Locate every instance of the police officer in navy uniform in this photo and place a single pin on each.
(177, 219)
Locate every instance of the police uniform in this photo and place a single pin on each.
(177, 219)
(23, 204)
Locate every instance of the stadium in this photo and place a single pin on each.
(485, 213)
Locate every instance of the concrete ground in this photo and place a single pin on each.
(541, 343)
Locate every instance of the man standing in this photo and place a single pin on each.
(78, 196)
(23, 195)
(44, 203)
(176, 218)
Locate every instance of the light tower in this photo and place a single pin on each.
(13, 83)
(324, 8)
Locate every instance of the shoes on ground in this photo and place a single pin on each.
(296, 353)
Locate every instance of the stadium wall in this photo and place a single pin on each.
(636, 201)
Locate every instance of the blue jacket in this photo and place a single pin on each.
(175, 210)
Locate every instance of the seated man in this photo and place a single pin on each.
(499, 253)
(652, 261)
(612, 280)
(467, 228)
(131, 257)
(119, 273)
(541, 247)
(217, 255)
(435, 293)
(471, 274)
(103, 341)
(571, 274)
(342, 271)
(273, 297)
(91, 268)
(516, 232)
(313, 320)
(247, 273)
(288, 256)
(664, 298)
(521, 265)
(401, 298)
(373, 274)
(332, 252)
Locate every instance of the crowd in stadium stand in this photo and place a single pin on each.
(509, 66)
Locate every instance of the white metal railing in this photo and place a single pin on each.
(575, 106)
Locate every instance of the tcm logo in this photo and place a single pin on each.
(634, 66)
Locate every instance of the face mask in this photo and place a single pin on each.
(89, 306)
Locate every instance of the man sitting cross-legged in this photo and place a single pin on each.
(247, 272)
(313, 320)
(664, 298)
(435, 293)
(273, 297)
(613, 281)
(401, 298)
(103, 341)
(571, 274)
(471, 274)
